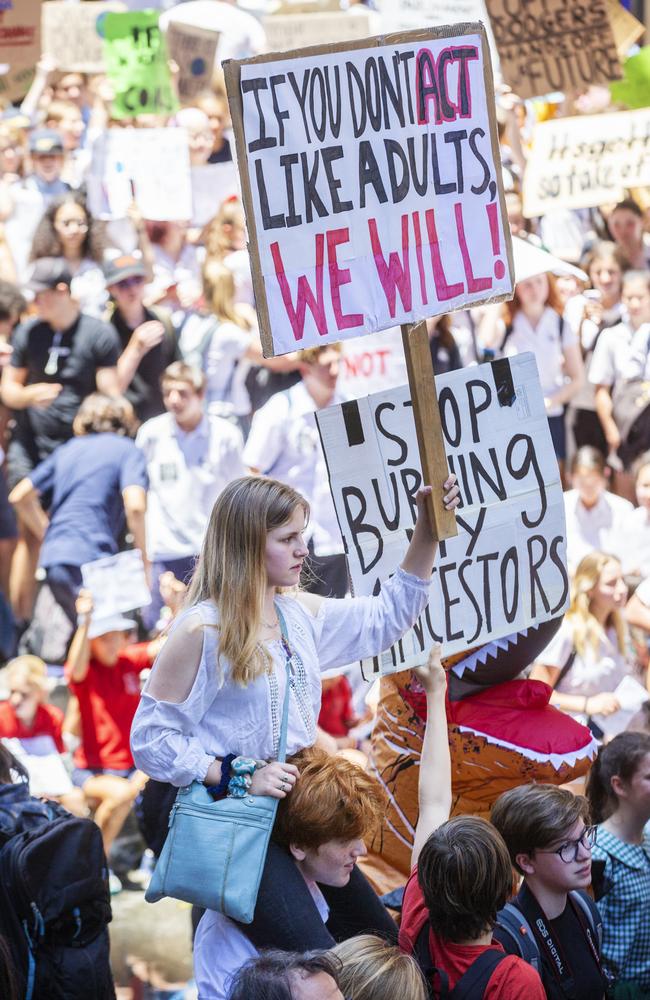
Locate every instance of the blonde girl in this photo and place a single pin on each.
(587, 659)
(373, 969)
(219, 682)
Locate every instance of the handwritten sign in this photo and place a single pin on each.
(371, 182)
(586, 161)
(193, 49)
(20, 32)
(150, 164)
(136, 63)
(549, 45)
(70, 35)
(15, 83)
(294, 31)
(399, 15)
(117, 584)
(506, 568)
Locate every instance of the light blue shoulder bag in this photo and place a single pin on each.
(215, 852)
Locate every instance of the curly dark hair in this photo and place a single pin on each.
(46, 242)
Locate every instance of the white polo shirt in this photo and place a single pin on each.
(284, 443)
(187, 471)
(611, 355)
(547, 345)
(600, 527)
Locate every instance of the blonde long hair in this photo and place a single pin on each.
(231, 569)
(219, 295)
(587, 630)
(372, 969)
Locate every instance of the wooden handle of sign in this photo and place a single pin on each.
(433, 458)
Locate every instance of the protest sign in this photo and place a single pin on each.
(136, 63)
(625, 27)
(506, 569)
(211, 185)
(117, 583)
(586, 161)
(294, 31)
(15, 83)
(70, 35)
(372, 363)
(633, 90)
(20, 32)
(398, 15)
(371, 181)
(193, 50)
(550, 45)
(151, 164)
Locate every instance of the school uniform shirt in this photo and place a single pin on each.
(590, 335)
(513, 979)
(89, 288)
(595, 528)
(635, 549)
(187, 471)
(625, 907)
(48, 724)
(610, 355)
(284, 443)
(638, 361)
(108, 699)
(547, 342)
(74, 355)
(85, 478)
(595, 671)
(218, 349)
(221, 948)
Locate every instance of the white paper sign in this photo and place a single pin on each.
(399, 14)
(117, 583)
(151, 163)
(506, 569)
(211, 185)
(374, 188)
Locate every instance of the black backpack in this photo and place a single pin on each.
(54, 899)
(471, 985)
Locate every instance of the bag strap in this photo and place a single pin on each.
(512, 922)
(474, 982)
(282, 748)
(565, 669)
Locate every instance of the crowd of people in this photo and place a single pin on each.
(137, 413)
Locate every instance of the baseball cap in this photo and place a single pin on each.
(113, 623)
(120, 268)
(48, 272)
(44, 142)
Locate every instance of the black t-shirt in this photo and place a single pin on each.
(144, 392)
(576, 951)
(74, 355)
(223, 156)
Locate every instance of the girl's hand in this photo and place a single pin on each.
(604, 703)
(451, 499)
(84, 604)
(432, 675)
(275, 779)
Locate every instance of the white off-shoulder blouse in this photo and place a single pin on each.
(178, 742)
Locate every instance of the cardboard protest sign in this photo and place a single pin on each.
(193, 49)
(136, 63)
(626, 28)
(15, 83)
(70, 34)
(371, 182)
(20, 32)
(293, 31)
(549, 45)
(634, 90)
(211, 185)
(586, 161)
(506, 569)
(398, 15)
(150, 164)
(117, 583)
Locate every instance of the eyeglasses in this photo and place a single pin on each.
(133, 282)
(569, 850)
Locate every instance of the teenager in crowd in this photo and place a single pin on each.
(547, 832)
(595, 517)
(625, 223)
(461, 878)
(374, 969)
(588, 657)
(281, 975)
(215, 693)
(635, 535)
(618, 790)
(320, 827)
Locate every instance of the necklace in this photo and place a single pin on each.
(270, 625)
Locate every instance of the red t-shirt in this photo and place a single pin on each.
(336, 709)
(108, 699)
(513, 979)
(48, 721)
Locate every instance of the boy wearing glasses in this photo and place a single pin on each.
(551, 922)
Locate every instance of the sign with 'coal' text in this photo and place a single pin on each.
(372, 183)
(506, 568)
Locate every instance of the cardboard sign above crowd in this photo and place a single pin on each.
(506, 568)
(586, 161)
(193, 50)
(295, 30)
(551, 45)
(371, 183)
(70, 34)
(400, 15)
(137, 65)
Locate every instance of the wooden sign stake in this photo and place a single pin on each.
(426, 414)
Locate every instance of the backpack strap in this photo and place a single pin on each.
(513, 922)
(565, 669)
(473, 984)
(506, 336)
(422, 955)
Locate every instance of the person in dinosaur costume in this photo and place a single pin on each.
(502, 732)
